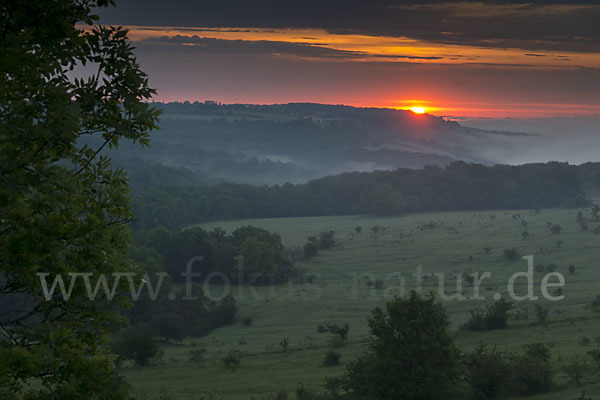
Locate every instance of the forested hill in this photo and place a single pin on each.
(275, 144)
(459, 186)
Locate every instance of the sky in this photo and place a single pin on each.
(491, 59)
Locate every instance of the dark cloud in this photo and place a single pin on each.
(533, 25)
(196, 43)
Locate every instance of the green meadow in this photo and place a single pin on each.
(282, 347)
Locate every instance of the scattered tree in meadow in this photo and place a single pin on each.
(339, 330)
(233, 360)
(595, 304)
(411, 355)
(136, 343)
(169, 326)
(332, 358)
(492, 373)
(595, 355)
(532, 372)
(595, 212)
(541, 312)
(555, 229)
(576, 369)
(311, 249)
(326, 239)
(511, 254)
(285, 344)
(494, 316)
(487, 371)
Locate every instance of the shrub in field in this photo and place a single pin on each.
(541, 312)
(197, 356)
(332, 358)
(494, 316)
(232, 360)
(511, 254)
(136, 343)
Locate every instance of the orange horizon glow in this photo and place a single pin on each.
(418, 110)
(430, 91)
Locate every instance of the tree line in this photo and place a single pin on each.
(459, 186)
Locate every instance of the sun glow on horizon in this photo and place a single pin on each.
(418, 110)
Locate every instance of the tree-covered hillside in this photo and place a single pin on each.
(459, 186)
(275, 144)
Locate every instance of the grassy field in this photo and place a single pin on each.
(339, 292)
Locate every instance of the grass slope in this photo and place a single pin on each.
(446, 243)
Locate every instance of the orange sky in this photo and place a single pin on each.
(185, 63)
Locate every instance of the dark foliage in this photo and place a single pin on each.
(494, 316)
(459, 186)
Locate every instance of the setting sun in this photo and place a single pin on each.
(418, 110)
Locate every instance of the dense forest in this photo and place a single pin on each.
(459, 186)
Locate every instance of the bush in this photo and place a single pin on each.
(491, 373)
(576, 369)
(511, 254)
(596, 304)
(233, 360)
(332, 358)
(541, 312)
(377, 283)
(247, 322)
(285, 344)
(340, 330)
(487, 372)
(521, 314)
(495, 316)
(136, 343)
(311, 249)
(595, 354)
(175, 319)
(197, 356)
(532, 373)
(326, 240)
(169, 326)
